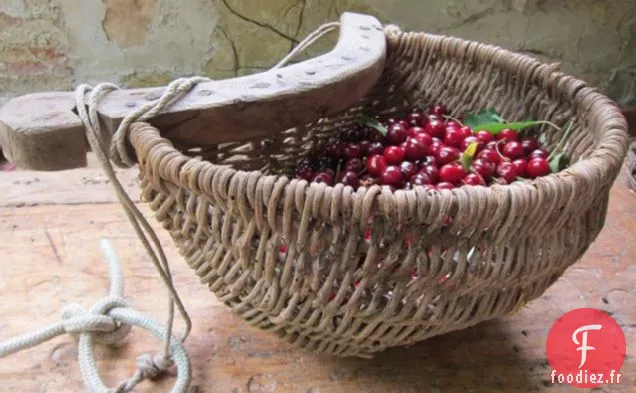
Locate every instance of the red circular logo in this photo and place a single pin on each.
(586, 349)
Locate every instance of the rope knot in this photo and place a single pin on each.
(97, 321)
(150, 366)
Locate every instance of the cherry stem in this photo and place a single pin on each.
(454, 119)
(499, 152)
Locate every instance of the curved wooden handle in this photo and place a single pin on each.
(41, 131)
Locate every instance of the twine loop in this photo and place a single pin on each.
(105, 329)
(108, 322)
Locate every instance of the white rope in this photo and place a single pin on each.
(108, 321)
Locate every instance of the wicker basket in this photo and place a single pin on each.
(437, 261)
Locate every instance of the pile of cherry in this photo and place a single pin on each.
(425, 149)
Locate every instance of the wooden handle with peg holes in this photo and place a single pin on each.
(42, 132)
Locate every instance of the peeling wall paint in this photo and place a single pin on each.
(57, 44)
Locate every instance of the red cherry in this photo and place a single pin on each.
(424, 138)
(539, 153)
(304, 173)
(396, 134)
(435, 128)
(408, 169)
(392, 176)
(508, 135)
(484, 168)
(484, 136)
(415, 130)
(445, 186)
(394, 154)
(507, 171)
(435, 147)
(323, 177)
(470, 140)
(452, 173)
(473, 179)
(450, 128)
(375, 148)
(350, 179)
(520, 165)
(352, 150)
(404, 123)
(530, 144)
(453, 137)
(452, 124)
(513, 150)
(415, 149)
(537, 167)
(415, 118)
(376, 165)
(447, 155)
(421, 179)
(353, 165)
(466, 131)
(439, 110)
(489, 155)
(432, 172)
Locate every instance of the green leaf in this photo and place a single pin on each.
(558, 162)
(467, 156)
(483, 117)
(495, 128)
(374, 123)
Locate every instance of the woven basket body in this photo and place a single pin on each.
(293, 258)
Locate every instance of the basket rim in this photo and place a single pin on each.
(600, 167)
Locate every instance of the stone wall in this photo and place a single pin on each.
(56, 44)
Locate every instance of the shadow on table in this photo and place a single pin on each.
(483, 358)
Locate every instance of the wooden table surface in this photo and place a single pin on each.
(50, 226)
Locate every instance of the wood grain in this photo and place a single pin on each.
(40, 131)
(50, 257)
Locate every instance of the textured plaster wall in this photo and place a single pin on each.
(57, 44)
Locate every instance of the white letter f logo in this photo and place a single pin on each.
(584, 348)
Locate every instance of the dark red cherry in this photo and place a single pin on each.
(447, 155)
(473, 179)
(513, 150)
(408, 169)
(508, 135)
(415, 149)
(376, 165)
(323, 177)
(452, 173)
(538, 167)
(507, 171)
(350, 179)
(392, 176)
(394, 155)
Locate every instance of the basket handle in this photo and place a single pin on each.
(42, 132)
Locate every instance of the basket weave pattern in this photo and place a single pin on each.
(436, 261)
